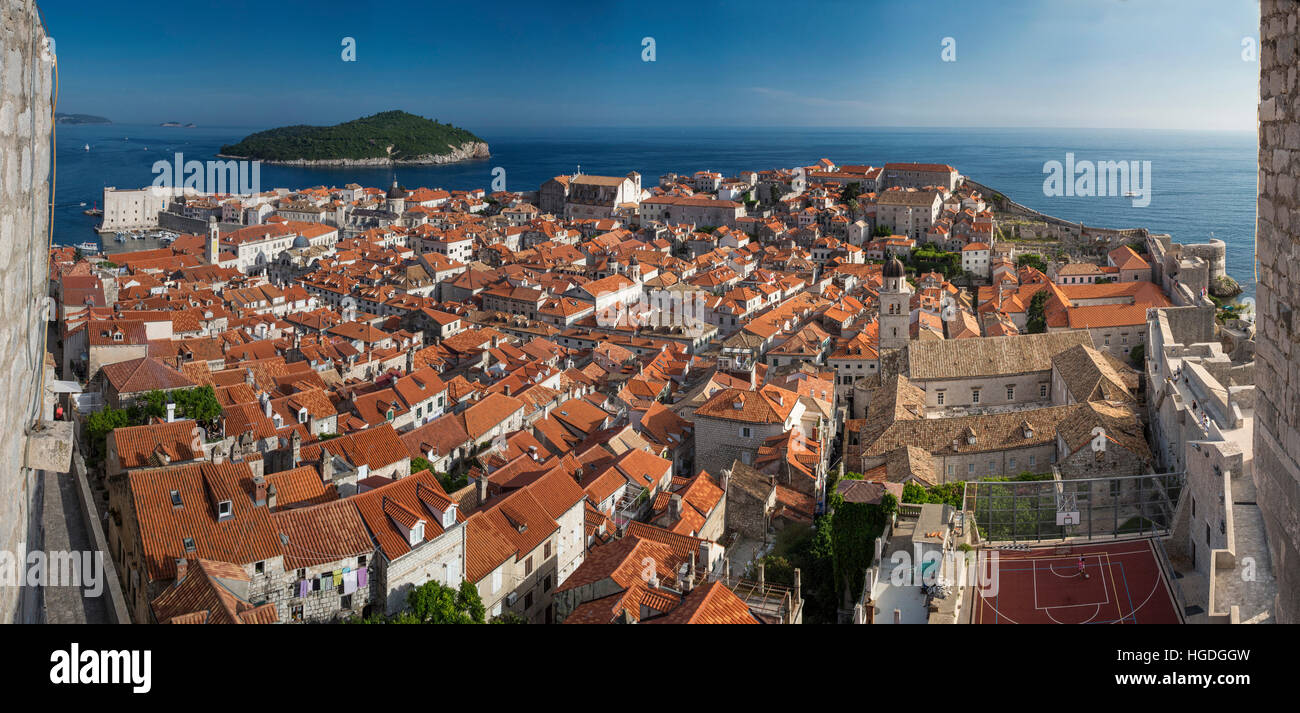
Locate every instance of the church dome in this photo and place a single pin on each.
(301, 242)
(894, 267)
(396, 191)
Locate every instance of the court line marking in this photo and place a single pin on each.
(1122, 620)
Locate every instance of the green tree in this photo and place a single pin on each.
(199, 403)
(882, 232)
(1137, 356)
(850, 192)
(434, 603)
(1033, 260)
(854, 530)
(420, 463)
(100, 424)
(1037, 319)
(509, 618)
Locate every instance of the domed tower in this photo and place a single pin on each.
(895, 306)
(396, 198)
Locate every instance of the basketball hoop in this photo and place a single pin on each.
(1066, 519)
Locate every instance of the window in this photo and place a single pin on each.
(951, 469)
(938, 397)
(1042, 391)
(546, 551)
(1012, 464)
(1207, 534)
(496, 585)
(974, 396)
(528, 566)
(546, 584)
(970, 467)
(1011, 393)
(745, 432)
(528, 601)
(1032, 459)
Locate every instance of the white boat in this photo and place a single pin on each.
(88, 246)
(87, 147)
(119, 238)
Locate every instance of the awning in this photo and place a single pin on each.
(64, 387)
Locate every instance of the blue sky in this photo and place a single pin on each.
(1162, 64)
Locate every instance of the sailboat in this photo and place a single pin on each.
(87, 147)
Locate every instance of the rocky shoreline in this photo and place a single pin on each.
(467, 151)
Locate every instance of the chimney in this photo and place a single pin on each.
(762, 576)
(675, 507)
(259, 490)
(326, 466)
(726, 571)
(798, 588)
(171, 412)
(270, 503)
(295, 448)
(266, 404)
(482, 484)
(182, 566)
(248, 376)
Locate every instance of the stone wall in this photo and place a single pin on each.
(25, 124)
(718, 442)
(1277, 233)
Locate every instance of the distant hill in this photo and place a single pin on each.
(80, 119)
(390, 137)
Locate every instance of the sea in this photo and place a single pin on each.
(1202, 184)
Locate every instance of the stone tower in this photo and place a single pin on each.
(214, 241)
(895, 306)
(1277, 241)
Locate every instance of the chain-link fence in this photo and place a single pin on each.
(1089, 508)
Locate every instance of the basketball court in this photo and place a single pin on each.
(1119, 583)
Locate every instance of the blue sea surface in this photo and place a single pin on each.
(1202, 184)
